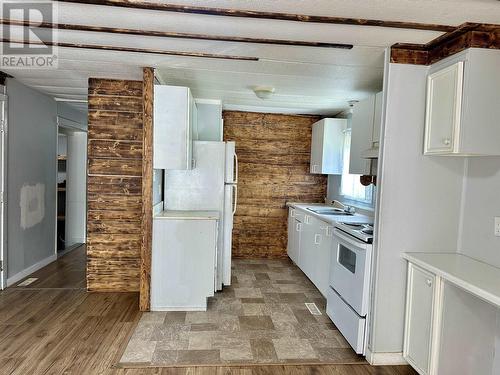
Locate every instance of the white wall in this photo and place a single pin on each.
(76, 188)
(481, 204)
(31, 178)
(419, 201)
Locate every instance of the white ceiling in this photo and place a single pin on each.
(307, 80)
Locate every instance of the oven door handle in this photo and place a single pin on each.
(349, 240)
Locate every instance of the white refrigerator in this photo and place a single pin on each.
(211, 185)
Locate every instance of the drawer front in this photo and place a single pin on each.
(350, 324)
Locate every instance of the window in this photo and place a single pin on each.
(350, 187)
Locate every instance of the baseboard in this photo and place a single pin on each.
(28, 271)
(177, 308)
(380, 359)
(69, 249)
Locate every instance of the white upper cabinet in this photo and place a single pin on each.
(462, 107)
(209, 120)
(175, 127)
(377, 118)
(327, 146)
(362, 135)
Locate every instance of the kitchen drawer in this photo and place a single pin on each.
(350, 324)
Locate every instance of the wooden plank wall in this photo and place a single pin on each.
(147, 189)
(114, 184)
(274, 154)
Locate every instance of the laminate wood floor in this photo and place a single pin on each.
(68, 272)
(71, 331)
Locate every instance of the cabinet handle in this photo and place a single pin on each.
(292, 213)
(447, 141)
(314, 168)
(317, 239)
(429, 282)
(307, 219)
(298, 227)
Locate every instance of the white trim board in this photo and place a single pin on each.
(385, 359)
(28, 271)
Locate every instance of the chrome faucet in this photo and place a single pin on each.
(349, 209)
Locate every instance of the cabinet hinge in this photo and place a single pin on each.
(1, 265)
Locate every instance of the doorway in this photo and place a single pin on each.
(71, 186)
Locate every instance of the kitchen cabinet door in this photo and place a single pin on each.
(361, 135)
(377, 117)
(327, 146)
(420, 299)
(174, 127)
(183, 266)
(323, 258)
(444, 105)
(307, 246)
(317, 147)
(294, 228)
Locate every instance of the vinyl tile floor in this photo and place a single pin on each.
(260, 319)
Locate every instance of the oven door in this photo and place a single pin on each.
(350, 270)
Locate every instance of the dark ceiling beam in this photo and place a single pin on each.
(135, 50)
(168, 34)
(137, 4)
(468, 35)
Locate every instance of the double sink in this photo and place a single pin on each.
(330, 211)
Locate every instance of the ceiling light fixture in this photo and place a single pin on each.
(263, 92)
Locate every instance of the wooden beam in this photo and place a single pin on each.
(169, 34)
(147, 189)
(137, 4)
(135, 50)
(468, 35)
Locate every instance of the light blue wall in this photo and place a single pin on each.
(32, 145)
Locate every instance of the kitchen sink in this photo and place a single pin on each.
(330, 211)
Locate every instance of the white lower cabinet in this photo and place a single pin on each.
(294, 229)
(309, 246)
(420, 328)
(183, 265)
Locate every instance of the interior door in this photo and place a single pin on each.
(3, 132)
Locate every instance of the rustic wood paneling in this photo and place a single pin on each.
(147, 190)
(114, 185)
(274, 154)
(467, 35)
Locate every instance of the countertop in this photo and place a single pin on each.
(475, 277)
(332, 219)
(187, 215)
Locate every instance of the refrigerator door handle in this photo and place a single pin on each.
(235, 168)
(235, 197)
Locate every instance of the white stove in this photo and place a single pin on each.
(362, 231)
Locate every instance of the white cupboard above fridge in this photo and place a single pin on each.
(365, 133)
(327, 146)
(174, 127)
(462, 108)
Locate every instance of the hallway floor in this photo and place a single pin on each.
(68, 272)
(71, 331)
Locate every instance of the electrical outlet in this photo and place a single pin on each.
(497, 226)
